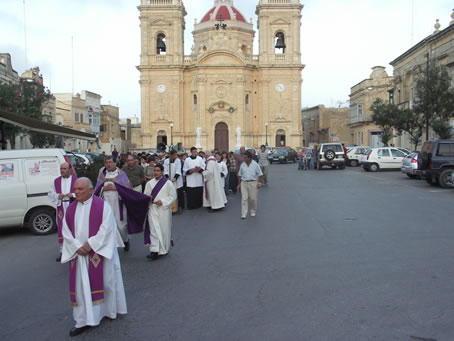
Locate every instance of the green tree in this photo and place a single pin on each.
(434, 97)
(411, 123)
(442, 128)
(384, 115)
(39, 140)
(25, 99)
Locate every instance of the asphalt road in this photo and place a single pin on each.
(332, 255)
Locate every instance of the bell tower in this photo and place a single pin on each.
(279, 24)
(161, 69)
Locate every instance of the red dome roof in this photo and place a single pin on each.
(225, 12)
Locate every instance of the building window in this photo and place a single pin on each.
(360, 110)
(194, 104)
(90, 119)
(279, 43)
(81, 118)
(76, 117)
(247, 102)
(161, 44)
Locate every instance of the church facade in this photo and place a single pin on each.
(221, 95)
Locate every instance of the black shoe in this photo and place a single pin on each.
(58, 258)
(77, 331)
(126, 248)
(153, 256)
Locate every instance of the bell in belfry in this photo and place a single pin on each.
(280, 43)
(161, 44)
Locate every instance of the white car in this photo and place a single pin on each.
(383, 158)
(25, 180)
(355, 155)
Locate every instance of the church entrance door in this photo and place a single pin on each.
(280, 138)
(221, 137)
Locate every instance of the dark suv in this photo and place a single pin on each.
(436, 162)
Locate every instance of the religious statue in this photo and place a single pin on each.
(238, 137)
(199, 135)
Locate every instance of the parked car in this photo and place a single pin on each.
(25, 179)
(436, 162)
(355, 154)
(410, 165)
(383, 158)
(282, 155)
(331, 154)
(84, 158)
(76, 161)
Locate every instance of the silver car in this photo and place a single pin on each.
(410, 165)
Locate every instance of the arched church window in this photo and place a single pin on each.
(246, 101)
(161, 44)
(279, 43)
(194, 104)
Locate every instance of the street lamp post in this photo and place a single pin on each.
(171, 135)
(266, 134)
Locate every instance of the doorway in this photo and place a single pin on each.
(280, 138)
(161, 138)
(221, 137)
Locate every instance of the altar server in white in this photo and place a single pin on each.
(162, 193)
(213, 195)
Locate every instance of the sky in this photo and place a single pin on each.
(100, 40)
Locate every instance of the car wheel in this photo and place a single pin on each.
(374, 167)
(445, 180)
(431, 180)
(411, 176)
(354, 163)
(42, 221)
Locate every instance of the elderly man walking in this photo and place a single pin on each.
(90, 247)
(249, 179)
(61, 194)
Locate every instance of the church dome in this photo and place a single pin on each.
(223, 10)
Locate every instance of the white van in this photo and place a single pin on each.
(25, 180)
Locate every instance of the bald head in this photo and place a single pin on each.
(83, 189)
(65, 169)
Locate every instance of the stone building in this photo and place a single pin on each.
(221, 95)
(323, 125)
(7, 73)
(438, 48)
(71, 112)
(110, 129)
(363, 130)
(93, 104)
(125, 127)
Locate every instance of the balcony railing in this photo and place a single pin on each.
(161, 2)
(272, 2)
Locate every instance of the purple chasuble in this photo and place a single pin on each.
(60, 210)
(136, 207)
(95, 264)
(154, 193)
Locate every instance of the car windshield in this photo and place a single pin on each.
(281, 151)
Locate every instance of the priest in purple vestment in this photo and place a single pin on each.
(90, 248)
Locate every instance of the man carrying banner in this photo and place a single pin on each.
(61, 194)
(158, 233)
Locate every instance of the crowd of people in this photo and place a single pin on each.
(139, 194)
